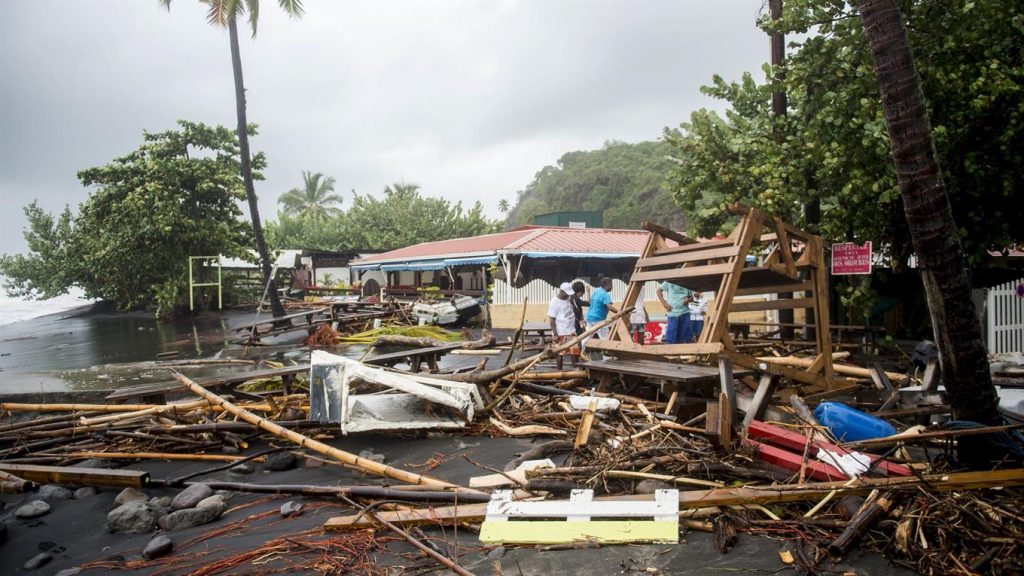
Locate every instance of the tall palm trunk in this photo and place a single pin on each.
(250, 191)
(930, 216)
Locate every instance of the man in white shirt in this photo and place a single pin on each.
(698, 308)
(563, 321)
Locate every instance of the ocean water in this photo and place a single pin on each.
(15, 310)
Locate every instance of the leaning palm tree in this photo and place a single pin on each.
(316, 197)
(503, 206)
(224, 14)
(962, 355)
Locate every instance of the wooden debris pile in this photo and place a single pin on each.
(740, 451)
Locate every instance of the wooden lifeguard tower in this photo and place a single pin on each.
(793, 261)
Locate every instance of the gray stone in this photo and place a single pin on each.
(190, 497)
(373, 456)
(650, 486)
(291, 508)
(280, 461)
(33, 509)
(54, 492)
(102, 463)
(157, 547)
(130, 495)
(496, 553)
(132, 518)
(38, 560)
(85, 492)
(241, 469)
(206, 511)
(160, 501)
(69, 571)
(230, 450)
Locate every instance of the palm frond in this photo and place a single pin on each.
(166, 4)
(217, 14)
(291, 7)
(253, 7)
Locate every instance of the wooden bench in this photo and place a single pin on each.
(671, 378)
(156, 393)
(414, 357)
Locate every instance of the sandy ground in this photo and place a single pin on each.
(74, 530)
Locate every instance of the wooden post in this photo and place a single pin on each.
(728, 389)
(762, 397)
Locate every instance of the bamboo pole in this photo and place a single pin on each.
(157, 456)
(840, 368)
(20, 407)
(304, 441)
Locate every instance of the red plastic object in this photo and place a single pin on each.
(793, 441)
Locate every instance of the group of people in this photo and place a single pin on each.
(685, 309)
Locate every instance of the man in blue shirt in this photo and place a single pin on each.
(600, 305)
(676, 301)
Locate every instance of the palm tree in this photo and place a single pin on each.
(503, 206)
(962, 354)
(315, 198)
(224, 13)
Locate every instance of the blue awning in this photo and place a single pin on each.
(469, 261)
(414, 266)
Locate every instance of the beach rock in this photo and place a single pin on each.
(206, 511)
(650, 486)
(157, 547)
(233, 451)
(38, 560)
(373, 456)
(130, 495)
(312, 462)
(73, 571)
(160, 502)
(191, 496)
(241, 469)
(291, 508)
(132, 518)
(33, 509)
(102, 463)
(496, 553)
(85, 492)
(54, 492)
(280, 462)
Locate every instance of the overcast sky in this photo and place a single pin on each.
(467, 98)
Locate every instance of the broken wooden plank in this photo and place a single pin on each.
(762, 397)
(76, 476)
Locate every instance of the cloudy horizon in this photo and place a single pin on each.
(468, 99)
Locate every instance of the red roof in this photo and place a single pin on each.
(523, 239)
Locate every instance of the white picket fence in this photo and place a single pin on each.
(540, 292)
(1005, 311)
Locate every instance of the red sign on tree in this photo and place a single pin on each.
(850, 258)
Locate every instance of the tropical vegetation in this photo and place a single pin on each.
(224, 14)
(625, 181)
(176, 196)
(315, 199)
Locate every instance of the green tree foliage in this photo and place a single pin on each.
(305, 231)
(316, 197)
(176, 196)
(626, 181)
(833, 145)
(403, 216)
